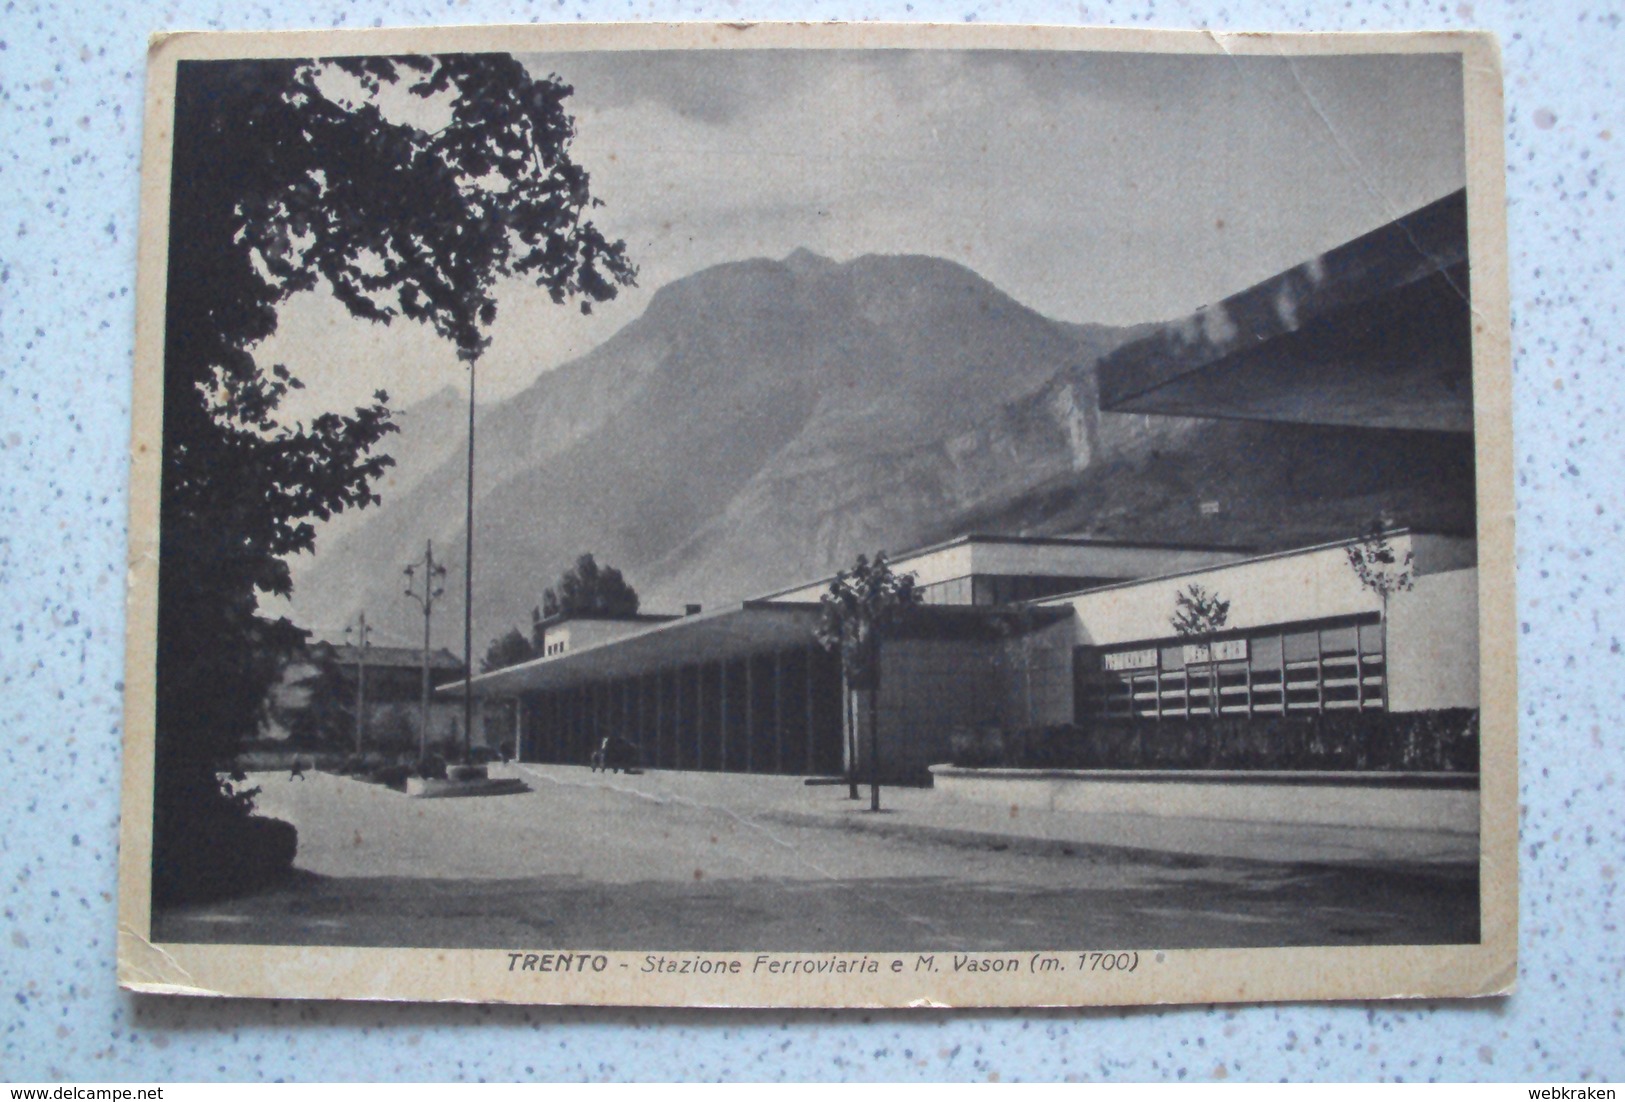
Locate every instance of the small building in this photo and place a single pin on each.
(315, 698)
(573, 630)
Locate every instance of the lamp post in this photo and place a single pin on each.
(363, 634)
(433, 572)
(468, 579)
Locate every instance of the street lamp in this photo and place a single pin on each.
(468, 579)
(433, 572)
(363, 636)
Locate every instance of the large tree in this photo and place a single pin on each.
(292, 176)
(587, 589)
(509, 649)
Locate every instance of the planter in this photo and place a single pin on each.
(1396, 801)
(436, 788)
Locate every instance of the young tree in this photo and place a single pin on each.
(590, 590)
(1199, 615)
(280, 185)
(1383, 571)
(862, 603)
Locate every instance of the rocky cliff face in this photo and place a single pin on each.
(765, 421)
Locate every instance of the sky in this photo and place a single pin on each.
(1092, 187)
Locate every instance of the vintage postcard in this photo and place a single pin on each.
(840, 515)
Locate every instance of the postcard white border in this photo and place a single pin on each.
(1169, 976)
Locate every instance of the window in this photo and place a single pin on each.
(1329, 666)
(956, 591)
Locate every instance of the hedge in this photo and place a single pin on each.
(1436, 741)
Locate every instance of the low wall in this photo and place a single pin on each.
(1400, 801)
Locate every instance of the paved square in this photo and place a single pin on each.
(727, 862)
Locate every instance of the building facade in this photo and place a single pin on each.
(747, 689)
(314, 701)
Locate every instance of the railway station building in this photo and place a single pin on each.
(1020, 631)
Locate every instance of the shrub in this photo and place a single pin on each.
(432, 767)
(978, 747)
(244, 853)
(1438, 741)
(391, 776)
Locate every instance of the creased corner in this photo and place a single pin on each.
(149, 969)
(160, 40)
(1218, 40)
(1502, 981)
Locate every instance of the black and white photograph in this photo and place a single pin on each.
(821, 516)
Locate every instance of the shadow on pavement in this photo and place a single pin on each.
(1173, 909)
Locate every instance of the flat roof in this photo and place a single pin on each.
(1035, 541)
(703, 637)
(1292, 552)
(755, 627)
(605, 618)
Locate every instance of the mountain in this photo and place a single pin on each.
(432, 432)
(764, 421)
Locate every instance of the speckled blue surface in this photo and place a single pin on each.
(70, 97)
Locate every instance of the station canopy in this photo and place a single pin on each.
(1376, 333)
(755, 627)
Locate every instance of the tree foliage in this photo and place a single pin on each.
(856, 611)
(1379, 567)
(586, 589)
(280, 184)
(1198, 613)
(324, 716)
(507, 650)
(853, 617)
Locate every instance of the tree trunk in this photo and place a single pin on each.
(1387, 660)
(874, 748)
(849, 723)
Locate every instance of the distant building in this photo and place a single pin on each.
(572, 631)
(315, 697)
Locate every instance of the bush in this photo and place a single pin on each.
(229, 854)
(467, 772)
(391, 776)
(431, 768)
(978, 747)
(1438, 741)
